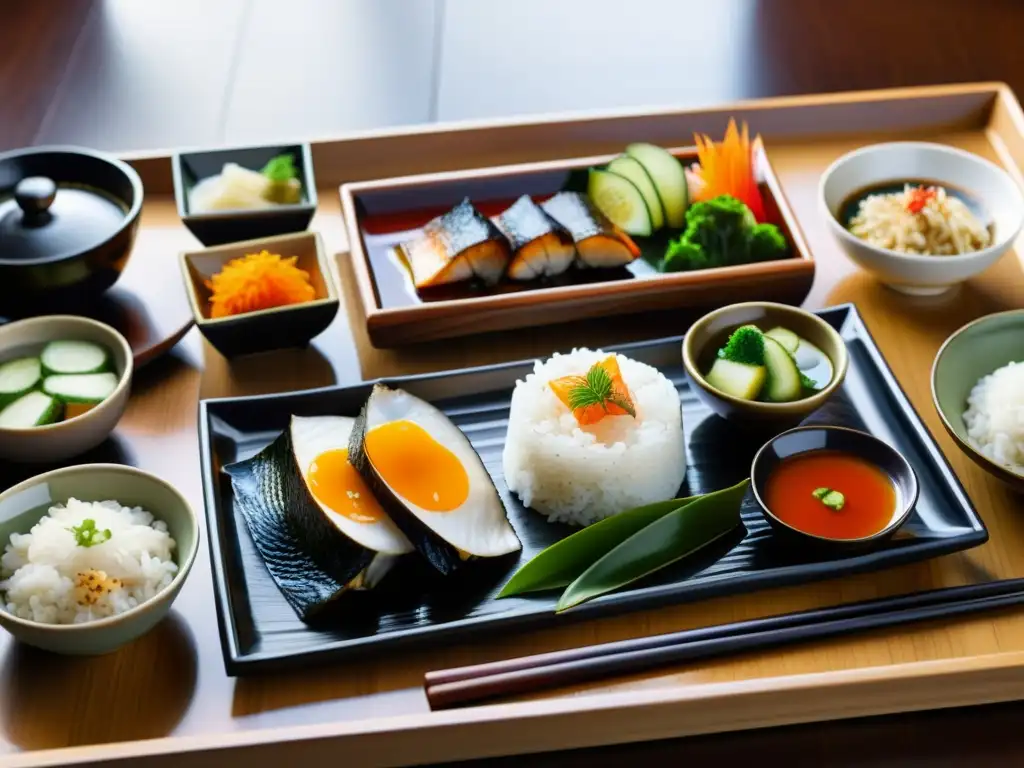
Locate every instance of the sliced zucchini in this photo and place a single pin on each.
(81, 387)
(18, 377)
(619, 199)
(784, 383)
(786, 338)
(631, 168)
(737, 379)
(36, 409)
(669, 179)
(74, 357)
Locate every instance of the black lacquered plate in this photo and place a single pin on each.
(415, 606)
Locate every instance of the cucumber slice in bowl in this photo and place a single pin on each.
(669, 179)
(18, 377)
(36, 409)
(80, 387)
(784, 383)
(786, 338)
(619, 199)
(74, 357)
(631, 168)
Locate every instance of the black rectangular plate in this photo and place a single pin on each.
(415, 606)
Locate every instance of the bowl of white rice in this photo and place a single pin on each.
(92, 556)
(978, 390)
(914, 229)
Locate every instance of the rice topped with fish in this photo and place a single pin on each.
(582, 464)
(84, 561)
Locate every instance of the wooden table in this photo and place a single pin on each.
(172, 682)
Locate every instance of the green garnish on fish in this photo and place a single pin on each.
(834, 500)
(87, 535)
(598, 388)
(280, 169)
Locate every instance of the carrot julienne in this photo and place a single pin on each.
(258, 281)
(599, 393)
(728, 169)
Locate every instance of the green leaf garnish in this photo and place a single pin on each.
(597, 388)
(280, 169)
(807, 382)
(834, 500)
(86, 534)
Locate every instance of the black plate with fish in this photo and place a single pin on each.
(415, 605)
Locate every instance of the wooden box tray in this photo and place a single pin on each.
(165, 700)
(414, 607)
(381, 214)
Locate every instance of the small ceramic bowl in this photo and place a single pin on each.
(22, 506)
(974, 351)
(802, 440)
(294, 325)
(65, 439)
(896, 162)
(710, 333)
(219, 227)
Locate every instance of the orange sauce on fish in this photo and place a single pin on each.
(870, 496)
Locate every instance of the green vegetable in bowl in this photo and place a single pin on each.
(284, 187)
(722, 232)
(834, 500)
(745, 345)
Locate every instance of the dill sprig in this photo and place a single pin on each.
(597, 388)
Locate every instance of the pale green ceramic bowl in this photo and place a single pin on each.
(24, 504)
(976, 350)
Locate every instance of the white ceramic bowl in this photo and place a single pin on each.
(911, 160)
(65, 439)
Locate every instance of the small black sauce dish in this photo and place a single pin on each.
(868, 448)
(230, 226)
(68, 218)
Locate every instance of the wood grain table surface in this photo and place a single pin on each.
(69, 72)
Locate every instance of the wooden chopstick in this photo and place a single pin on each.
(464, 685)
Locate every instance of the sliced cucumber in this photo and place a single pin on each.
(737, 379)
(74, 357)
(36, 409)
(619, 199)
(786, 338)
(631, 168)
(669, 179)
(784, 383)
(18, 377)
(81, 387)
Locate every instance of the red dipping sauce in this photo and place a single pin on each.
(869, 495)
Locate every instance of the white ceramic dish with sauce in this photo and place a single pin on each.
(996, 197)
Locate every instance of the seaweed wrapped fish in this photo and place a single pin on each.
(462, 244)
(541, 247)
(430, 479)
(599, 243)
(318, 527)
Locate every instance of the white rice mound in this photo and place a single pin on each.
(580, 475)
(995, 416)
(50, 579)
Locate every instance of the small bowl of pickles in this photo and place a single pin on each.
(763, 362)
(64, 385)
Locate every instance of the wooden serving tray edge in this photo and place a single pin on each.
(598, 719)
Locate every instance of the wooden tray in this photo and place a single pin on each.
(165, 700)
(413, 608)
(380, 214)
